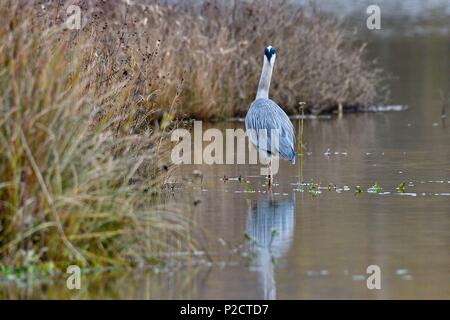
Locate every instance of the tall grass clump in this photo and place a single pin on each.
(82, 151)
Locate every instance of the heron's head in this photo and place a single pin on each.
(270, 53)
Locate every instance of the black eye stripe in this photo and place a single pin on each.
(273, 51)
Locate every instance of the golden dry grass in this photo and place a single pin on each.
(208, 54)
(82, 157)
(216, 48)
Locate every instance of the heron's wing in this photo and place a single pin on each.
(264, 114)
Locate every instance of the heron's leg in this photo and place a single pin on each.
(270, 173)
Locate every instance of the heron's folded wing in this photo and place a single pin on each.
(265, 119)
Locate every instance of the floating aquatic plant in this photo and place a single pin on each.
(401, 187)
(375, 188)
(314, 189)
(249, 189)
(358, 190)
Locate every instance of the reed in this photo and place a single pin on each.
(81, 157)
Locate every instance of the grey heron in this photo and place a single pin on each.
(265, 118)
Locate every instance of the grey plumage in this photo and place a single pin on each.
(265, 115)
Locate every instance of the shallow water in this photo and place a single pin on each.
(324, 240)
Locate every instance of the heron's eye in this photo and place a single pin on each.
(273, 51)
(266, 51)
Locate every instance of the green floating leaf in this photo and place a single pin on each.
(375, 188)
(249, 189)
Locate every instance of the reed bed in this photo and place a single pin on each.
(208, 54)
(216, 48)
(82, 151)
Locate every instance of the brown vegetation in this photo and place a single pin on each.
(209, 55)
(82, 154)
(215, 49)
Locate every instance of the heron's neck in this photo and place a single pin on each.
(264, 81)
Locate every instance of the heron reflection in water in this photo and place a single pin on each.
(270, 224)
